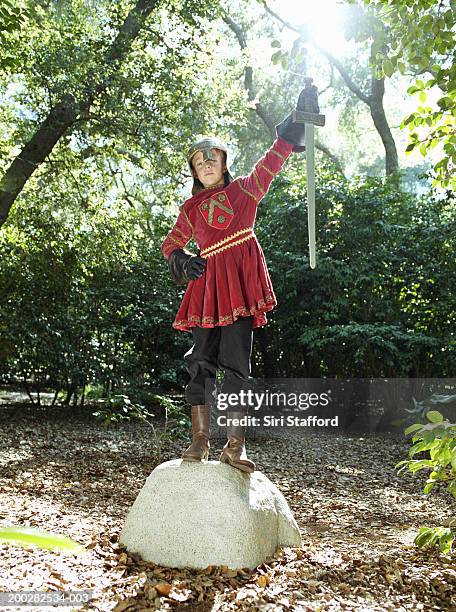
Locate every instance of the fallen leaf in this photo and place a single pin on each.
(124, 605)
(163, 588)
(262, 580)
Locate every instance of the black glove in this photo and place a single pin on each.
(294, 133)
(185, 266)
(194, 267)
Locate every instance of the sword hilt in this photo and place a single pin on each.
(307, 108)
(308, 98)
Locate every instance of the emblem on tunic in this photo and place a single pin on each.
(217, 211)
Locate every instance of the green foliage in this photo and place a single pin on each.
(24, 536)
(83, 300)
(86, 298)
(13, 22)
(437, 439)
(443, 537)
(85, 294)
(421, 39)
(119, 408)
(146, 114)
(377, 305)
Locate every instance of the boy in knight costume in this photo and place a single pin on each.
(229, 289)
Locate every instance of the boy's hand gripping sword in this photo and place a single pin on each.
(308, 112)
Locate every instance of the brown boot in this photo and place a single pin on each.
(199, 448)
(234, 452)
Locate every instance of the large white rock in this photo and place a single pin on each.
(199, 514)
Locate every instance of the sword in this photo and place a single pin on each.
(308, 112)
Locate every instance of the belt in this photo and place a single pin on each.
(228, 242)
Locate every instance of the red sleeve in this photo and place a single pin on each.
(179, 236)
(257, 183)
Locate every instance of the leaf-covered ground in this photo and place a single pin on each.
(65, 473)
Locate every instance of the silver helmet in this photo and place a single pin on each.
(205, 146)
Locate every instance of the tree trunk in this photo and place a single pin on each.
(374, 101)
(381, 123)
(83, 394)
(35, 152)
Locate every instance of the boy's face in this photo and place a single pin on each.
(209, 172)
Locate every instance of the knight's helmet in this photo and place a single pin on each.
(206, 145)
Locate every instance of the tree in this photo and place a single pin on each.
(13, 20)
(260, 109)
(420, 38)
(95, 70)
(372, 28)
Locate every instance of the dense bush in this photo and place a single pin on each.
(86, 300)
(382, 299)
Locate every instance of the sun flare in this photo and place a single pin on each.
(323, 19)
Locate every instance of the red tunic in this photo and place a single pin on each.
(236, 280)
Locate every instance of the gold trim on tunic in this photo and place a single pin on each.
(188, 221)
(257, 179)
(178, 242)
(242, 311)
(228, 242)
(278, 154)
(247, 192)
(177, 230)
(263, 167)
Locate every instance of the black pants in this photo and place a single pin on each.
(227, 348)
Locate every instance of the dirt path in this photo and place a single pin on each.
(67, 474)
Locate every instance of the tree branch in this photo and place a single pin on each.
(279, 18)
(248, 77)
(332, 60)
(374, 100)
(344, 74)
(336, 161)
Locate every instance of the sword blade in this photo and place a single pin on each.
(310, 165)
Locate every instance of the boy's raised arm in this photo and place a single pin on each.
(290, 138)
(257, 183)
